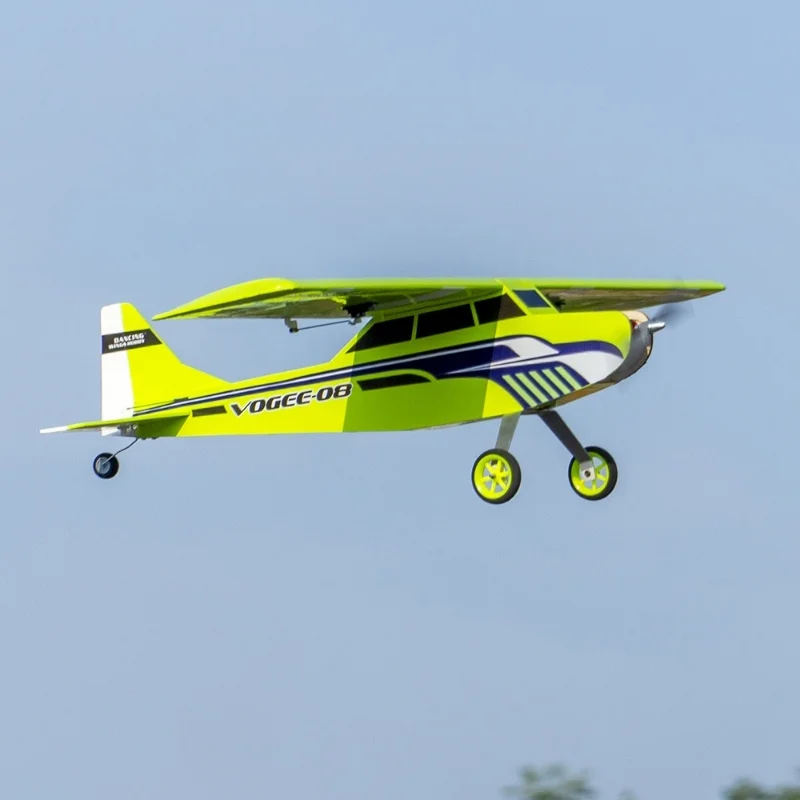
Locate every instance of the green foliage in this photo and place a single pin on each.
(556, 782)
(551, 783)
(748, 790)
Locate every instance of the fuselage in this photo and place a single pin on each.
(446, 366)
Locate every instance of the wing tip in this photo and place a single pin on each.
(57, 429)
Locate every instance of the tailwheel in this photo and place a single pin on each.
(105, 466)
(605, 475)
(496, 476)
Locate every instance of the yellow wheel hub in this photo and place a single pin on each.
(496, 476)
(601, 483)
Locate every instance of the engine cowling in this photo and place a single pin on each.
(642, 330)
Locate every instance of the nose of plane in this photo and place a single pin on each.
(641, 345)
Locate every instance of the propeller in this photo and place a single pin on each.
(660, 317)
(670, 314)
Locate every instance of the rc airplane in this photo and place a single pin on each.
(432, 353)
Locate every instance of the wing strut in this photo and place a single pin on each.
(293, 327)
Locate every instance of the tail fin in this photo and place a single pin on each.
(138, 370)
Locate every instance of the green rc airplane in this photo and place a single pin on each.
(434, 353)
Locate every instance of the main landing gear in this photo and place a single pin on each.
(106, 465)
(496, 474)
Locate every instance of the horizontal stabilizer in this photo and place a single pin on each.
(148, 427)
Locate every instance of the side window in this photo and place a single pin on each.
(444, 320)
(392, 331)
(531, 298)
(496, 308)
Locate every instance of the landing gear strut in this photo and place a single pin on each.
(496, 474)
(592, 470)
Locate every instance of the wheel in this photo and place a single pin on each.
(105, 466)
(496, 476)
(605, 471)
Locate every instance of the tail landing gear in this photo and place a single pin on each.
(106, 465)
(496, 474)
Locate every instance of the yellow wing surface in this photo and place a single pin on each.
(279, 298)
(621, 295)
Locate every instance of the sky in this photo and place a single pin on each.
(340, 616)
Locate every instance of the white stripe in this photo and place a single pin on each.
(117, 387)
(526, 348)
(593, 366)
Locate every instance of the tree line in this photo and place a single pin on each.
(557, 782)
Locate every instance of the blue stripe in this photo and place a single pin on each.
(439, 363)
(548, 387)
(579, 379)
(573, 348)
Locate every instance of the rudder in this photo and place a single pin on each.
(138, 370)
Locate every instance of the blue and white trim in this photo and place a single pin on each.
(533, 370)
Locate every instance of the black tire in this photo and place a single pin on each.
(613, 474)
(516, 476)
(105, 466)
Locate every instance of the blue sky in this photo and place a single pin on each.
(340, 616)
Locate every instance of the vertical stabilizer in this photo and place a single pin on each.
(138, 370)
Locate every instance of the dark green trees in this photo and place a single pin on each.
(556, 782)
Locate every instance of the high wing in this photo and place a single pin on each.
(620, 295)
(279, 298)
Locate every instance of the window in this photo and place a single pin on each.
(444, 320)
(390, 331)
(496, 308)
(531, 298)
